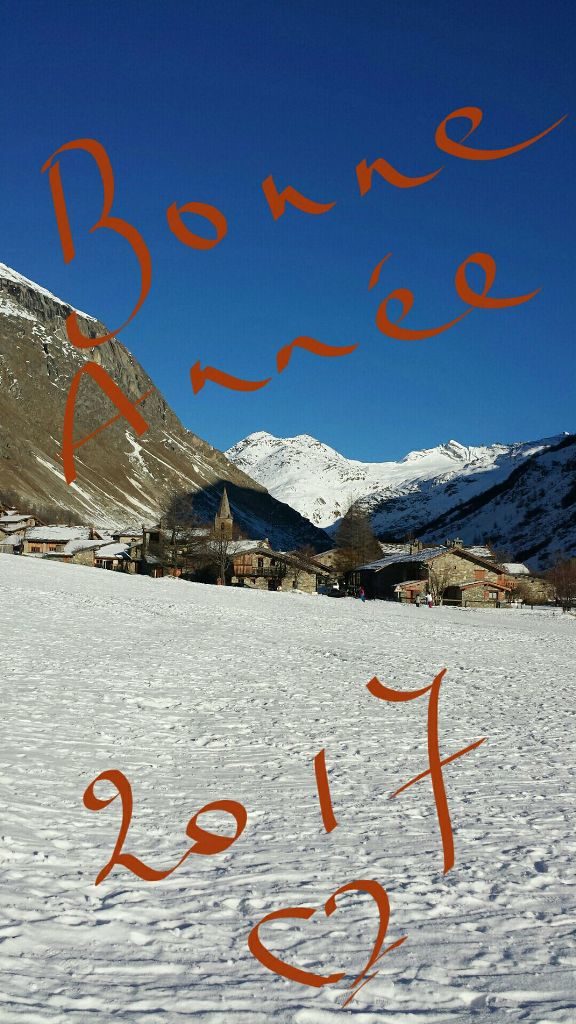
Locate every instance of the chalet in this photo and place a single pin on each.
(256, 564)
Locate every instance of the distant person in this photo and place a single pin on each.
(429, 600)
(418, 600)
(362, 594)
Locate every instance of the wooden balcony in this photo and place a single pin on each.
(262, 572)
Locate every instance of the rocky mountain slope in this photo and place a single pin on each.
(121, 479)
(431, 492)
(531, 515)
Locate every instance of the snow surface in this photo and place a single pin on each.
(205, 693)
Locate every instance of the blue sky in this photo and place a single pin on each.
(201, 102)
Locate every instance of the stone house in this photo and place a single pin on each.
(80, 552)
(452, 574)
(480, 593)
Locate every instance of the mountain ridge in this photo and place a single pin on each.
(420, 493)
(122, 479)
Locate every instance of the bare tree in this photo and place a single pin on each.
(563, 578)
(439, 579)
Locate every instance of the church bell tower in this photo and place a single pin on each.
(223, 521)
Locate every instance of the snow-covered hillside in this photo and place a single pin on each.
(199, 694)
(322, 484)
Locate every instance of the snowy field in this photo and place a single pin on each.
(200, 694)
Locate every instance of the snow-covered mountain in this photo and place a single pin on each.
(122, 479)
(322, 484)
(426, 488)
(531, 514)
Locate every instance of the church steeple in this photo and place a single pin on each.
(223, 521)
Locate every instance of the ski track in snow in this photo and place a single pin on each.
(198, 694)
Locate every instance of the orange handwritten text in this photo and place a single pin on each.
(323, 786)
(386, 325)
(209, 843)
(288, 970)
(277, 201)
(205, 843)
(127, 409)
(382, 692)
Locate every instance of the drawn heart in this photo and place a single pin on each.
(287, 970)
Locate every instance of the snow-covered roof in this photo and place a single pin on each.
(480, 550)
(13, 541)
(113, 551)
(11, 519)
(516, 568)
(239, 547)
(73, 546)
(425, 555)
(59, 534)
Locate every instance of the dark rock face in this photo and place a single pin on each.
(122, 478)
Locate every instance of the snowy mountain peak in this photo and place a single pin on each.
(401, 497)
